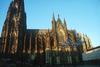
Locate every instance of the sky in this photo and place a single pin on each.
(81, 15)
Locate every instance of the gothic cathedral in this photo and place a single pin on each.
(46, 46)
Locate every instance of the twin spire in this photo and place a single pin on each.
(59, 20)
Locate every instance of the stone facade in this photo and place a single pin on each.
(14, 27)
(51, 46)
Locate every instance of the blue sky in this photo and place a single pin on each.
(82, 15)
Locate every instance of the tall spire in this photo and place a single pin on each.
(53, 23)
(53, 17)
(65, 23)
(59, 20)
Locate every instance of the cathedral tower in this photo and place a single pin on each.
(53, 24)
(14, 27)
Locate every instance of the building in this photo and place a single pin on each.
(51, 46)
(92, 56)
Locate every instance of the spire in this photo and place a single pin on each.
(65, 25)
(65, 22)
(59, 20)
(53, 23)
(53, 17)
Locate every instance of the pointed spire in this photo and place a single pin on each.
(53, 17)
(65, 25)
(65, 22)
(53, 23)
(59, 20)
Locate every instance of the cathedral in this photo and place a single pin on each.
(58, 45)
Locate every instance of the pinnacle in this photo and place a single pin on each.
(53, 17)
